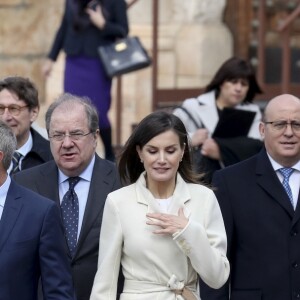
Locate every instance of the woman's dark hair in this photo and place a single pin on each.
(152, 125)
(235, 68)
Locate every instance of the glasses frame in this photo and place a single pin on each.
(18, 108)
(285, 124)
(72, 136)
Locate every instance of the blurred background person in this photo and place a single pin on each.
(177, 223)
(85, 26)
(19, 108)
(233, 86)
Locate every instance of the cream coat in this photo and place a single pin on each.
(149, 260)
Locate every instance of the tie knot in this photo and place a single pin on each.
(286, 172)
(73, 181)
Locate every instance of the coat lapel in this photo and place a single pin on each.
(11, 211)
(208, 111)
(268, 180)
(180, 197)
(49, 186)
(95, 202)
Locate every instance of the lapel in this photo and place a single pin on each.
(208, 110)
(48, 182)
(297, 213)
(99, 188)
(268, 180)
(12, 208)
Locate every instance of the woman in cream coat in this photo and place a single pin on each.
(164, 228)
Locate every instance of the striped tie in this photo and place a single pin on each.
(15, 161)
(286, 173)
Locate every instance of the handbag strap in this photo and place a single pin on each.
(191, 117)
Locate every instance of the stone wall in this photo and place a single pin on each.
(193, 42)
(26, 29)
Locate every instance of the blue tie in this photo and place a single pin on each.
(286, 173)
(70, 214)
(15, 161)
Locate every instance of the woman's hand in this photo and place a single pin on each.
(96, 16)
(199, 136)
(47, 67)
(211, 149)
(169, 224)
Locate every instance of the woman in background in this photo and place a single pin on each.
(85, 26)
(233, 86)
(164, 228)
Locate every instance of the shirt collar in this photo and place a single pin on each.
(86, 174)
(27, 146)
(276, 166)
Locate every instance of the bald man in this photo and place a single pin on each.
(259, 202)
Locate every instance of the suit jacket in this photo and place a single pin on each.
(32, 243)
(87, 40)
(39, 153)
(262, 230)
(149, 260)
(44, 180)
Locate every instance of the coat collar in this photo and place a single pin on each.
(268, 180)
(208, 112)
(181, 195)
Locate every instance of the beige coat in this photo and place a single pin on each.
(149, 260)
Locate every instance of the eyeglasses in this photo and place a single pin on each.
(282, 125)
(59, 137)
(14, 110)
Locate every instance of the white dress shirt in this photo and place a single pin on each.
(3, 193)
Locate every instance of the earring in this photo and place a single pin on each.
(142, 161)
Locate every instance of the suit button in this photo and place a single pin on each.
(295, 265)
(294, 233)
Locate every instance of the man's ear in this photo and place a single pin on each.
(34, 112)
(1, 157)
(262, 129)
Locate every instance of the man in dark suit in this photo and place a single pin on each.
(72, 125)
(259, 202)
(32, 243)
(19, 108)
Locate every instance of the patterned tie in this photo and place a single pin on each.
(15, 161)
(70, 214)
(286, 173)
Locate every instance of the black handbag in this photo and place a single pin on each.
(124, 56)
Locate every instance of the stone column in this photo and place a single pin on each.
(203, 41)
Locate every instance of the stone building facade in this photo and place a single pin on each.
(193, 42)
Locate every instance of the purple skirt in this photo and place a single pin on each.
(85, 76)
